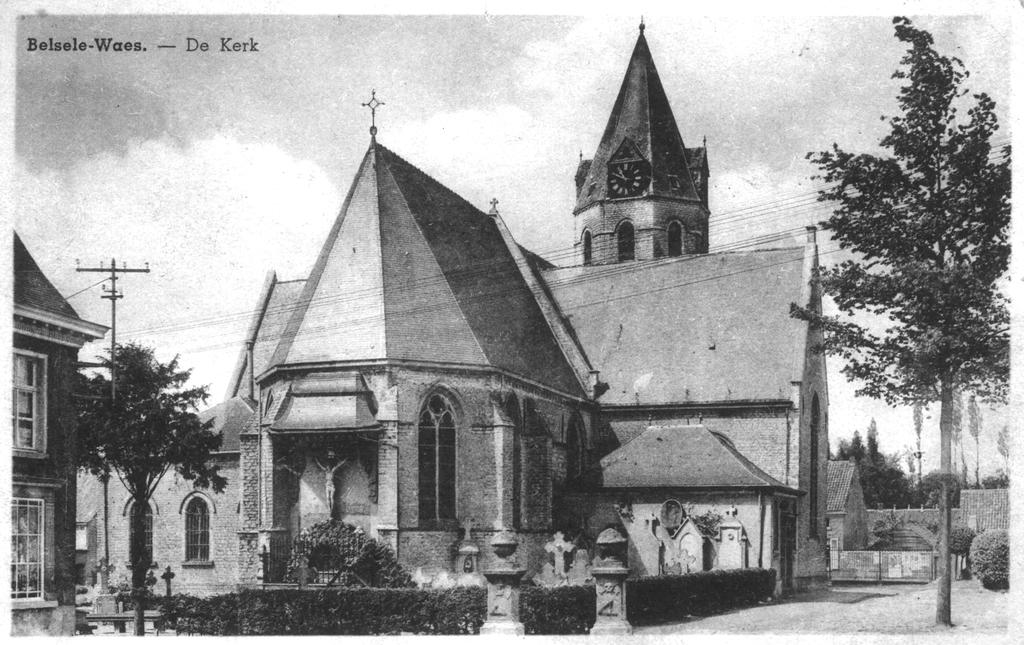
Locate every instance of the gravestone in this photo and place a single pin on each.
(732, 538)
(503, 581)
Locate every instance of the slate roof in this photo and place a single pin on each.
(642, 114)
(229, 418)
(406, 254)
(32, 288)
(682, 457)
(989, 507)
(700, 328)
(840, 478)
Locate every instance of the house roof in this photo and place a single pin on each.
(699, 328)
(33, 289)
(840, 478)
(989, 508)
(229, 418)
(407, 254)
(682, 457)
(642, 115)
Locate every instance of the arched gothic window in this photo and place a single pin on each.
(812, 498)
(147, 535)
(437, 459)
(675, 238)
(574, 446)
(626, 242)
(588, 247)
(197, 530)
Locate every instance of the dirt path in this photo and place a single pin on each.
(880, 609)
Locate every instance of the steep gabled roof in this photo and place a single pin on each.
(840, 478)
(641, 117)
(682, 457)
(700, 328)
(405, 255)
(32, 288)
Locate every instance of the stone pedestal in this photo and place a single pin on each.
(503, 589)
(610, 574)
(611, 600)
(503, 602)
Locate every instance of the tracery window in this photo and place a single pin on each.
(437, 459)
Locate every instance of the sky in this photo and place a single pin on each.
(216, 167)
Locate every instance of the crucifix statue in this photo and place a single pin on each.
(329, 471)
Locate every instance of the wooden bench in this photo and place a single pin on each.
(122, 619)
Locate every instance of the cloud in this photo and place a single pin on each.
(210, 219)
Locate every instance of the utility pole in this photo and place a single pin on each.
(113, 295)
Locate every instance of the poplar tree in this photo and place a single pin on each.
(925, 222)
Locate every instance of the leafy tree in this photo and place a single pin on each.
(930, 490)
(926, 222)
(974, 427)
(150, 430)
(883, 481)
(999, 480)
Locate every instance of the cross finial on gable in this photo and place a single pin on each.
(494, 207)
(373, 104)
(642, 26)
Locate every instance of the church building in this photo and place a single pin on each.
(431, 373)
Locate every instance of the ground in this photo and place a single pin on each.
(887, 609)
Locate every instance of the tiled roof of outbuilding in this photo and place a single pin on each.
(698, 328)
(840, 477)
(990, 508)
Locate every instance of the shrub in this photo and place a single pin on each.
(557, 610)
(665, 598)
(990, 559)
(336, 546)
(960, 539)
(330, 611)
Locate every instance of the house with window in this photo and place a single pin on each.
(48, 334)
(846, 521)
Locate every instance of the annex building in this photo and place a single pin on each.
(430, 372)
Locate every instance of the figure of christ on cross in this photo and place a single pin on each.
(329, 471)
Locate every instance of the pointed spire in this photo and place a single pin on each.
(641, 121)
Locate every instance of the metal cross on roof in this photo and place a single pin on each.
(373, 104)
(494, 206)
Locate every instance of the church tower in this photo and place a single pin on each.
(644, 195)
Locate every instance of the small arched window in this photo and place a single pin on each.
(675, 238)
(147, 533)
(574, 461)
(197, 530)
(588, 247)
(626, 242)
(437, 459)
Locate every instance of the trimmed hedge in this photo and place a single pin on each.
(990, 559)
(460, 610)
(558, 610)
(333, 611)
(656, 599)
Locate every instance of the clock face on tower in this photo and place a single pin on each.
(627, 178)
